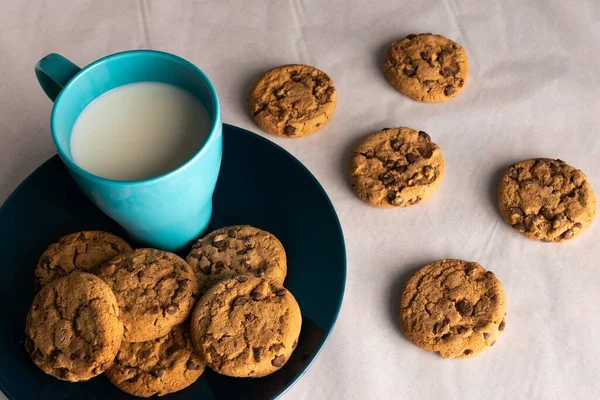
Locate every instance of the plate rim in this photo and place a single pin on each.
(265, 141)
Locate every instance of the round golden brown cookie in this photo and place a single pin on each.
(246, 326)
(73, 331)
(293, 100)
(427, 67)
(155, 289)
(78, 251)
(453, 307)
(160, 366)
(546, 200)
(396, 167)
(234, 250)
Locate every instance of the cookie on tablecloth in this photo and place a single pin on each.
(453, 307)
(293, 100)
(396, 167)
(547, 200)
(427, 67)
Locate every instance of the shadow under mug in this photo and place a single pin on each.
(167, 211)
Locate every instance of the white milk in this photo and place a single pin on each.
(139, 131)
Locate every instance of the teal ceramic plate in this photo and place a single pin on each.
(259, 184)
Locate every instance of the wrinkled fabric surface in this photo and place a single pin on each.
(532, 92)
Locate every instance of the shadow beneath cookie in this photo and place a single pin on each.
(246, 87)
(495, 179)
(397, 286)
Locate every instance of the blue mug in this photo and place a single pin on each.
(167, 211)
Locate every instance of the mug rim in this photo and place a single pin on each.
(215, 116)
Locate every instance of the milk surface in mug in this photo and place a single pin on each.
(139, 131)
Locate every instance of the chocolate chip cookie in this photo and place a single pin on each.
(453, 307)
(160, 366)
(427, 67)
(155, 290)
(246, 326)
(73, 331)
(396, 167)
(293, 100)
(78, 251)
(546, 200)
(234, 250)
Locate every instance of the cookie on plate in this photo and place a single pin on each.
(453, 307)
(160, 366)
(246, 326)
(293, 100)
(73, 331)
(78, 251)
(155, 290)
(396, 167)
(427, 67)
(233, 250)
(546, 200)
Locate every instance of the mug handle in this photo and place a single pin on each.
(53, 72)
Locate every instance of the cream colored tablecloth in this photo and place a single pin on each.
(533, 91)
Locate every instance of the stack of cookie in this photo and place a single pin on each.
(105, 308)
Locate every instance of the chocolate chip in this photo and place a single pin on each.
(256, 295)
(295, 344)
(513, 173)
(469, 268)
(158, 372)
(428, 171)
(155, 309)
(414, 201)
(258, 353)
(501, 326)
(289, 130)
(568, 234)
(577, 225)
(220, 244)
(172, 309)
(546, 213)
(387, 179)
(426, 55)
(445, 72)
(241, 278)
(62, 373)
(369, 154)
(395, 199)
(461, 329)
(240, 301)
(467, 352)
(493, 343)
(280, 292)
(250, 317)
(519, 226)
(192, 365)
(461, 82)
(446, 336)
(410, 70)
(278, 361)
(486, 335)
(396, 144)
(37, 356)
(440, 326)
(411, 36)
(516, 211)
(275, 347)
(426, 151)
(232, 233)
(246, 264)
(464, 308)
(410, 158)
(449, 90)
(295, 77)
